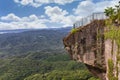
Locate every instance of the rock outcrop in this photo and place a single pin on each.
(88, 45)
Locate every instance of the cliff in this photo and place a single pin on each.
(88, 45)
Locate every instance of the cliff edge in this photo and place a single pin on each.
(88, 45)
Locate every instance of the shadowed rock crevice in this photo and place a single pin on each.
(97, 71)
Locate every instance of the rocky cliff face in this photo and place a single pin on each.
(88, 45)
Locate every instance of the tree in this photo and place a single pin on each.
(113, 13)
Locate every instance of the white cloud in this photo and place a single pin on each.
(55, 13)
(87, 7)
(21, 25)
(10, 17)
(55, 19)
(104, 4)
(54, 16)
(59, 15)
(11, 21)
(38, 3)
(63, 1)
(84, 8)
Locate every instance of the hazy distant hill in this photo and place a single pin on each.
(32, 41)
(14, 31)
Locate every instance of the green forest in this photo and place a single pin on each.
(38, 55)
(49, 67)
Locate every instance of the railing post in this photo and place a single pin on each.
(74, 25)
(92, 16)
(87, 20)
(82, 22)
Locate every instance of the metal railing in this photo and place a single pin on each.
(89, 19)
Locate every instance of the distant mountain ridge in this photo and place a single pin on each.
(24, 30)
(13, 31)
(19, 42)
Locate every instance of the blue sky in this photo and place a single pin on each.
(38, 14)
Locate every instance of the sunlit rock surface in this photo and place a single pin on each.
(88, 45)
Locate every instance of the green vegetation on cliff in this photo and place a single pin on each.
(74, 30)
(113, 33)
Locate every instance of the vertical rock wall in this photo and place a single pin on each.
(88, 45)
